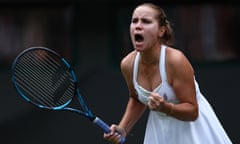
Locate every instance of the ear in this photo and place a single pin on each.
(162, 31)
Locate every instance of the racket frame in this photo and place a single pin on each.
(86, 113)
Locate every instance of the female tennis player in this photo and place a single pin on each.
(160, 78)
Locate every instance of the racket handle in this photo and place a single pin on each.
(106, 127)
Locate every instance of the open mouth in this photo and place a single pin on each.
(138, 38)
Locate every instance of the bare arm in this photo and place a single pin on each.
(134, 109)
(181, 77)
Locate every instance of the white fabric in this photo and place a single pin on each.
(163, 129)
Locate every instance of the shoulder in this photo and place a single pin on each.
(177, 62)
(127, 62)
(174, 55)
(176, 58)
(127, 71)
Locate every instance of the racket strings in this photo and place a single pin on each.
(46, 74)
(33, 80)
(45, 79)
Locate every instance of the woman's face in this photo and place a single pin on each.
(144, 28)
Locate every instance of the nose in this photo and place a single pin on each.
(139, 25)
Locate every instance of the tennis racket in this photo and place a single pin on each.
(44, 78)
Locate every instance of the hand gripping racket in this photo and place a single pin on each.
(45, 79)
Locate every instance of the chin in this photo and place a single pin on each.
(137, 48)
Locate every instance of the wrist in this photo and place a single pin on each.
(171, 109)
(122, 131)
(168, 108)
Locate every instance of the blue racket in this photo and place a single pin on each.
(45, 79)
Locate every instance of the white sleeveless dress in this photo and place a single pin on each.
(163, 129)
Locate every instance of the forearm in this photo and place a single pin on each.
(181, 111)
(134, 111)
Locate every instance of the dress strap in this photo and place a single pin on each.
(135, 69)
(162, 65)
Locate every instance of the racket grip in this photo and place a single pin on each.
(106, 128)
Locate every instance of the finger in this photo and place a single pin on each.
(112, 131)
(151, 103)
(119, 139)
(156, 97)
(115, 138)
(156, 100)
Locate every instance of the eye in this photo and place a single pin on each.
(146, 21)
(134, 20)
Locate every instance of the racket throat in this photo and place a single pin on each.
(89, 114)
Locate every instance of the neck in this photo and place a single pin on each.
(150, 57)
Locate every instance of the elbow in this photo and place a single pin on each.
(191, 115)
(194, 115)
